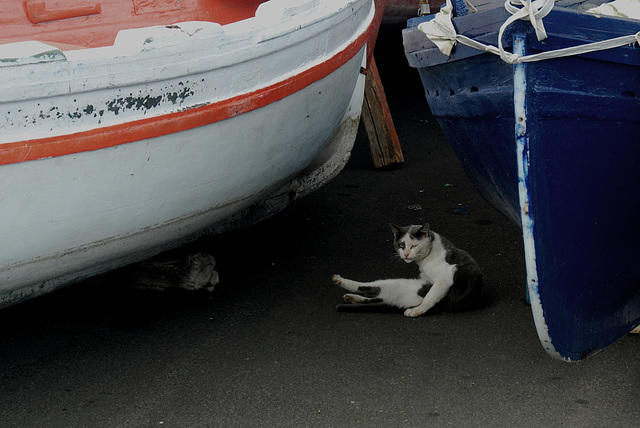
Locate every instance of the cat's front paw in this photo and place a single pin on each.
(337, 279)
(413, 312)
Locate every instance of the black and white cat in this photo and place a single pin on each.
(449, 276)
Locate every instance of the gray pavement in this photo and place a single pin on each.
(267, 347)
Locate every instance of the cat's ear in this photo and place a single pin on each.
(423, 231)
(395, 229)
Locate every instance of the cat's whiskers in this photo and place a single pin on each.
(394, 256)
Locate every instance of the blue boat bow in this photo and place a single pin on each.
(564, 163)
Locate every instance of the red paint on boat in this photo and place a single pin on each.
(115, 135)
(69, 24)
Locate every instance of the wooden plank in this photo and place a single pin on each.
(376, 116)
(383, 139)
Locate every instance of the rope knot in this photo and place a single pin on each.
(532, 11)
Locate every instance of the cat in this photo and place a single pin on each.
(449, 277)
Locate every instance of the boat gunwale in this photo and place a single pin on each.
(189, 117)
(239, 47)
(559, 35)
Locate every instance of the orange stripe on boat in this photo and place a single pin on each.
(129, 132)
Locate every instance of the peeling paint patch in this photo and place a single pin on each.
(127, 103)
(182, 95)
(147, 102)
(520, 104)
(95, 108)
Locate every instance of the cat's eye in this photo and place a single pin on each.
(401, 245)
(413, 246)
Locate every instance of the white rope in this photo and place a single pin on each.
(442, 33)
(581, 49)
(532, 11)
(471, 7)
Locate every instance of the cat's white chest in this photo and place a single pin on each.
(435, 267)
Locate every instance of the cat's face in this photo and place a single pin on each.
(412, 242)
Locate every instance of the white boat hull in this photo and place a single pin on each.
(68, 214)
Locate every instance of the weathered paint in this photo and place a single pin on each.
(247, 140)
(526, 216)
(578, 166)
(133, 130)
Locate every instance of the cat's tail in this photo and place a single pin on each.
(465, 295)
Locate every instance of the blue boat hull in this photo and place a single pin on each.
(583, 122)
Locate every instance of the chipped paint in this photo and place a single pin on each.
(61, 110)
(177, 151)
(528, 221)
(151, 72)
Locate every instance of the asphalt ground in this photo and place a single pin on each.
(268, 348)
